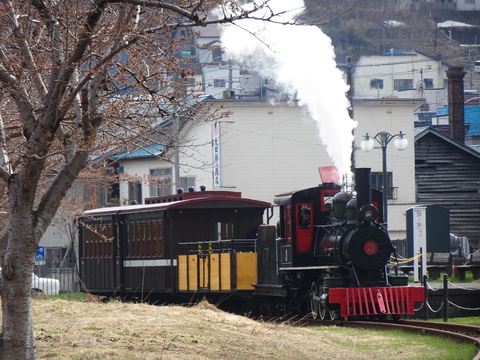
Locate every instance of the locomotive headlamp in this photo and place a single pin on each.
(368, 213)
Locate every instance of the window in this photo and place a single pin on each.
(160, 182)
(304, 213)
(187, 181)
(146, 239)
(223, 230)
(403, 84)
(428, 83)
(377, 183)
(97, 241)
(376, 84)
(135, 191)
(270, 82)
(470, 2)
(217, 55)
(219, 83)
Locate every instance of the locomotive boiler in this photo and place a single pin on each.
(329, 254)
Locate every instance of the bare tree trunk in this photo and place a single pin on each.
(16, 283)
(18, 340)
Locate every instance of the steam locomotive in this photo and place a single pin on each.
(329, 255)
(326, 256)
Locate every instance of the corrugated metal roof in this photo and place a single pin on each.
(472, 118)
(140, 153)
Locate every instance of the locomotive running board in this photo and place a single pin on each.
(376, 301)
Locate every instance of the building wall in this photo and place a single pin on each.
(392, 115)
(448, 176)
(468, 5)
(410, 66)
(264, 150)
(140, 169)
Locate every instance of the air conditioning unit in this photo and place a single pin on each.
(229, 94)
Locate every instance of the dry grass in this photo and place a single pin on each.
(115, 330)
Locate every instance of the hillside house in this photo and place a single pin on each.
(403, 74)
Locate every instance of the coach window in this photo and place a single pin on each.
(224, 230)
(146, 239)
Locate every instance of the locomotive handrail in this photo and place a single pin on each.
(403, 261)
(225, 241)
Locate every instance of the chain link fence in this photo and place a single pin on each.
(58, 263)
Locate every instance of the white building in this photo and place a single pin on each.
(405, 74)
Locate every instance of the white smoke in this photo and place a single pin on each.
(301, 59)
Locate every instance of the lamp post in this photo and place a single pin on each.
(384, 138)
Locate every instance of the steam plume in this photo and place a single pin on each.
(301, 59)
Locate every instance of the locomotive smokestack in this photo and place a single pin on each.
(363, 187)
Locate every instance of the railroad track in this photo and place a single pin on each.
(461, 333)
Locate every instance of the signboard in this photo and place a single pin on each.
(216, 155)
(40, 255)
(419, 240)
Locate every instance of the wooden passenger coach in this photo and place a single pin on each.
(192, 242)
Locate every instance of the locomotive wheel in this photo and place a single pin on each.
(322, 313)
(334, 314)
(314, 302)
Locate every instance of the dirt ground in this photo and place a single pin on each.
(116, 330)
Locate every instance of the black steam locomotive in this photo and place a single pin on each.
(327, 254)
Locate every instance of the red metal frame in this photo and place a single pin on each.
(376, 300)
(304, 236)
(322, 198)
(288, 223)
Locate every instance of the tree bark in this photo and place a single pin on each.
(15, 287)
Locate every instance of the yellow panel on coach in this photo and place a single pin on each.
(203, 269)
(225, 264)
(215, 272)
(182, 273)
(192, 272)
(246, 270)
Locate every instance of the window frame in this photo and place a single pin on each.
(155, 188)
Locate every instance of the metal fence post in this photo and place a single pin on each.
(425, 291)
(445, 297)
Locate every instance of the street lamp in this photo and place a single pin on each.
(384, 138)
